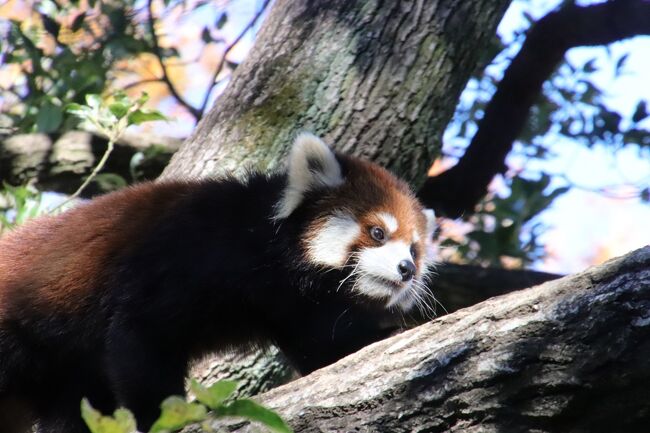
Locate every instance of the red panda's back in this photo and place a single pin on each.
(56, 263)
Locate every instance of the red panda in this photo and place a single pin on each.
(112, 299)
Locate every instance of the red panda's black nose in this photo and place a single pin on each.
(406, 269)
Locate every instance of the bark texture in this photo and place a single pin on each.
(378, 78)
(58, 162)
(570, 355)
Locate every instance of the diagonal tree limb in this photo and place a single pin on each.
(457, 190)
(567, 356)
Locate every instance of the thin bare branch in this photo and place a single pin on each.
(222, 62)
(165, 75)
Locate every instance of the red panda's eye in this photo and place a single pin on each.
(414, 252)
(377, 233)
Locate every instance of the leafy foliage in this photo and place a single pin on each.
(63, 53)
(122, 420)
(110, 118)
(176, 413)
(506, 227)
(66, 50)
(17, 205)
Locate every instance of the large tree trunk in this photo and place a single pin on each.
(375, 78)
(569, 355)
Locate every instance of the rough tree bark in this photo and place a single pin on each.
(374, 78)
(566, 356)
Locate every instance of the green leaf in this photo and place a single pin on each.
(119, 109)
(109, 182)
(255, 412)
(144, 97)
(51, 26)
(589, 66)
(177, 413)
(93, 100)
(206, 37)
(216, 394)
(645, 195)
(620, 63)
(122, 420)
(49, 118)
(141, 116)
(121, 97)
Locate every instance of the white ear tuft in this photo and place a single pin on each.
(312, 164)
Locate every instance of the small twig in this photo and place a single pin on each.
(165, 78)
(142, 82)
(93, 174)
(222, 62)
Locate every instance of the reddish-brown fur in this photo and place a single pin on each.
(113, 299)
(371, 193)
(60, 262)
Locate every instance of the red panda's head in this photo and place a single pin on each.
(363, 220)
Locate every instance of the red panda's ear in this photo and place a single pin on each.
(312, 164)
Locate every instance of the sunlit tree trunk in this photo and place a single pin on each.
(375, 78)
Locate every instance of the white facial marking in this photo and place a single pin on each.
(404, 298)
(416, 236)
(331, 244)
(382, 261)
(378, 277)
(390, 222)
(311, 164)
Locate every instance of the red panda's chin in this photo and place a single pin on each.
(392, 293)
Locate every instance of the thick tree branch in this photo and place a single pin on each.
(459, 189)
(567, 356)
(59, 162)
